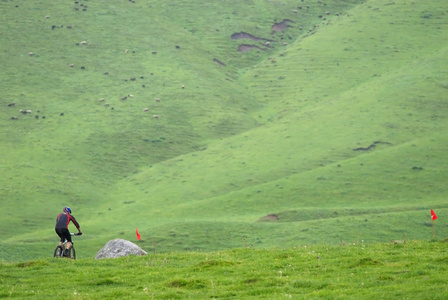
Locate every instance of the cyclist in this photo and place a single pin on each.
(61, 228)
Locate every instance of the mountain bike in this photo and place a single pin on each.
(59, 250)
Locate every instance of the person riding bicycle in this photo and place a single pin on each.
(61, 228)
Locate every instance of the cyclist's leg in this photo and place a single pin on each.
(60, 233)
(67, 237)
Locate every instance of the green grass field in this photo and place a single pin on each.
(215, 148)
(415, 270)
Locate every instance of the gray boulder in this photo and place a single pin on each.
(118, 248)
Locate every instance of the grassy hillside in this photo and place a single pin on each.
(413, 271)
(239, 135)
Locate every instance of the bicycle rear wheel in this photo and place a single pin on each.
(58, 251)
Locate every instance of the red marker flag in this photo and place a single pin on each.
(433, 215)
(138, 234)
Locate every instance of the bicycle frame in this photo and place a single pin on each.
(59, 250)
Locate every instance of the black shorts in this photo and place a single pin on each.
(64, 234)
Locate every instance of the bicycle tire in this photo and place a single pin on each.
(58, 251)
(72, 253)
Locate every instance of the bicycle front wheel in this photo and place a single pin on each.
(58, 251)
(72, 253)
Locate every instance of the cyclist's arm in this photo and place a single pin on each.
(72, 218)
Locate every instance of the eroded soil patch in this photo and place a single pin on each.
(269, 218)
(280, 27)
(247, 48)
(245, 35)
(219, 62)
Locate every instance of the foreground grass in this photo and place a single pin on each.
(415, 270)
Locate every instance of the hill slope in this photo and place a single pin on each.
(239, 135)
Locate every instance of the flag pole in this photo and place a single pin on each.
(432, 221)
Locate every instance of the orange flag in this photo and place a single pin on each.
(433, 215)
(138, 234)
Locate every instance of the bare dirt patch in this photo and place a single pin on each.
(247, 48)
(219, 62)
(280, 27)
(245, 35)
(269, 218)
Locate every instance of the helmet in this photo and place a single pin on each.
(67, 210)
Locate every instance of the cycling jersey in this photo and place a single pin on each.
(63, 220)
